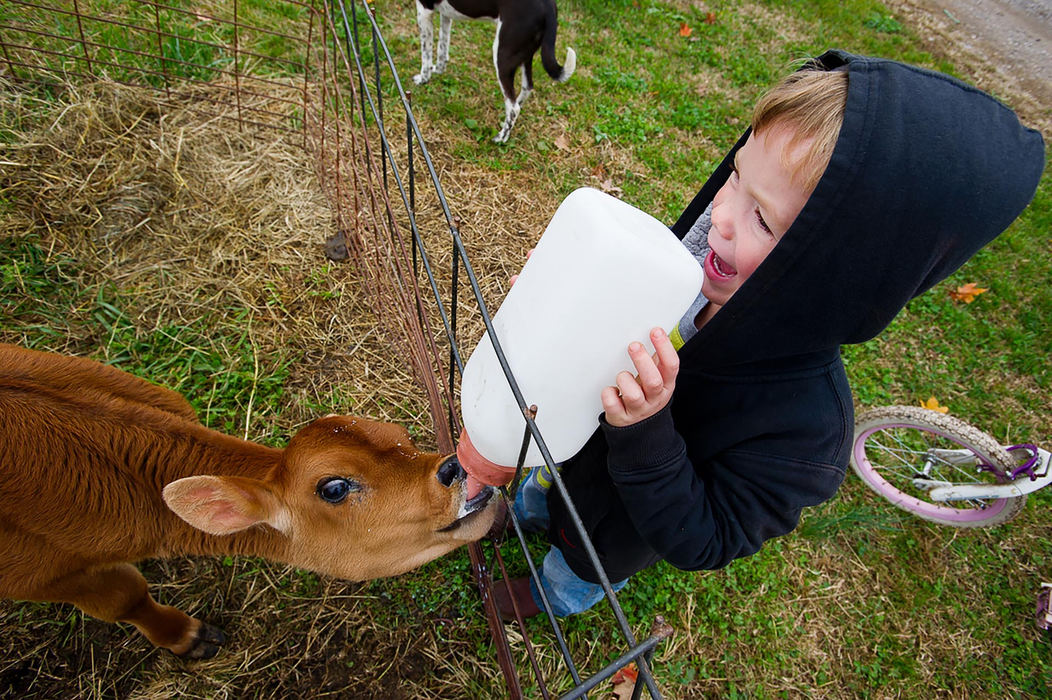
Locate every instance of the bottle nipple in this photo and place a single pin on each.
(481, 471)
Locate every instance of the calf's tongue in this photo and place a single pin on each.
(474, 487)
(481, 471)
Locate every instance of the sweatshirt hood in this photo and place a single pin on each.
(925, 172)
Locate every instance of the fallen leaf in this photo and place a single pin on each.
(710, 18)
(609, 187)
(562, 143)
(599, 171)
(625, 682)
(685, 30)
(967, 292)
(932, 404)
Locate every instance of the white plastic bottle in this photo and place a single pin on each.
(602, 275)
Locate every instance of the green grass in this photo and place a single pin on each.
(860, 601)
(156, 43)
(47, 304)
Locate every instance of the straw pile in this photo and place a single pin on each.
(193, 217)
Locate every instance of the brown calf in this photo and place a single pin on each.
(99, 469)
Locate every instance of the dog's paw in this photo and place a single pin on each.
(420, 78)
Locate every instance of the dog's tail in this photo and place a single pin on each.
(551, 64)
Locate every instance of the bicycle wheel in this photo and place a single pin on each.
(903, 451)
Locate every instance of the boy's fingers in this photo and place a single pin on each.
(611, 397)
(649, 375)
(635, 397)
(667, 357)
(630, 390)
(614, 407)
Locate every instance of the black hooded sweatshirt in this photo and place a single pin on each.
(926, 170)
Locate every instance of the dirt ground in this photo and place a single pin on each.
(1006, 43)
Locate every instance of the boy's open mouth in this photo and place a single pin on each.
(716, 264)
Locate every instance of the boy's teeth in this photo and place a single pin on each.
(721, 267)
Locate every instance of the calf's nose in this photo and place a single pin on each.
(450, 471)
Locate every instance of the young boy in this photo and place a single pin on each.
(861, 183)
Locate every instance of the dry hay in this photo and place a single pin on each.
(192, 217)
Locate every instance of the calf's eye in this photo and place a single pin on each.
(334, 489)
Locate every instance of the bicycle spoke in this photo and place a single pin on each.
(941, 470)
(895, 452)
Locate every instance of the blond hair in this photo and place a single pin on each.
(811, 104)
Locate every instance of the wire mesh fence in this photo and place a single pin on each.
(321, 72)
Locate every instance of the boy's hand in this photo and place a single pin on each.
(639, 397)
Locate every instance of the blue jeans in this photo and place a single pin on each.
(567, 592)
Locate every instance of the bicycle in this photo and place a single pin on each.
(944, 470)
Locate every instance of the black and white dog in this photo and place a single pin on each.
(523, 26)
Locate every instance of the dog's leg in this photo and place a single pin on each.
(445, 28)
(423, 21)
(506, 63)
(512, 109)
(511, 113)
(527, 82)
(507, 88)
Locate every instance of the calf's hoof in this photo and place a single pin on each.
(206, 642)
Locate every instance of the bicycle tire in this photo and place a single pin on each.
(916, 433)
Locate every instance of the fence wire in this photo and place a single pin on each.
(323, 81)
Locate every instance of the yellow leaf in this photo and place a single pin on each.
(932, 404)
(967, 292)
(685, 30)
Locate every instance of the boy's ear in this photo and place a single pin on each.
(222, 505)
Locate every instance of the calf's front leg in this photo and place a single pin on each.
(118, 593)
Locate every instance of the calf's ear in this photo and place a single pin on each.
(221, 505)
